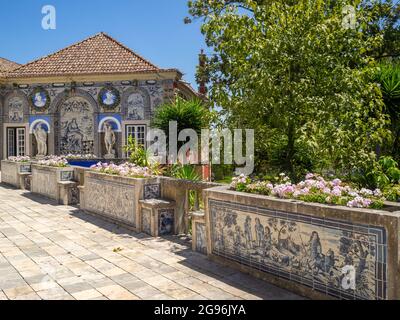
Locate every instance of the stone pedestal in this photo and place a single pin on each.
(109, 156)
(199, 237)
(157, 217)
(68, 193)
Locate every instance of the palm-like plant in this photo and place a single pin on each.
(389, 79)
(185, 172)
(189, 114)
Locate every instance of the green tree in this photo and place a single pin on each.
(298, 74)
(388, 76)
(385, 20)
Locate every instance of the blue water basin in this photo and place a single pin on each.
(83, 163)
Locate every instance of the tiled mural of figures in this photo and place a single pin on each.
(66, 175)
(304, 249)
(73, 196)
(166, 221)
(25, 168)
(27, 183)
(135, 107)
(111, 199)
(152, 191)
(201, 242)
(146, 221)
(77, 127)
(15, 110)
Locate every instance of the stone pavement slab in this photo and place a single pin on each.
(57, 252)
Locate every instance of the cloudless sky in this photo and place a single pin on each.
(152, 28)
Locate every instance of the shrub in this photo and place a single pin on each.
(138, 155)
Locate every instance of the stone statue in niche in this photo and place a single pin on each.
(109, 140)
(41, 139)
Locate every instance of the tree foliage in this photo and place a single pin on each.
(297, 73)
(388, 77)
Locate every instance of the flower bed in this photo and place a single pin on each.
(54, 161)
(125, 170)
(313, 189)
(20, 159)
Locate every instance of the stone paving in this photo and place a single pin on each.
(54, 252)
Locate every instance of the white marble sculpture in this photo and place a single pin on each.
(109, 140)
(41, 139)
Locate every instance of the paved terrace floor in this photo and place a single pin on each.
(55, 252)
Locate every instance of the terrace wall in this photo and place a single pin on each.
(312, 249)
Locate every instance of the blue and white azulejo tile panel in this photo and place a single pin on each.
(341, 259)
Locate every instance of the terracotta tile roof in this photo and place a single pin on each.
(99, 54)
(6, 66)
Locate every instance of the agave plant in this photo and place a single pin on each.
(188, 114)
(185, 172)
(389, 79)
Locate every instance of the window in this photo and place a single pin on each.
(137, 132)
(15, 142)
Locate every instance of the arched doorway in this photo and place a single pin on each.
(76, 127)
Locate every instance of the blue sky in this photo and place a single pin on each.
(154, 29)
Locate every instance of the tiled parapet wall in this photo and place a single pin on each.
(12, 172)
(46, 180)
(9, 173)
(114, 197)
(312, 249)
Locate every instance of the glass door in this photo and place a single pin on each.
(16, 142)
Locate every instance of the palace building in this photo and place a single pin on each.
(75, 93)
